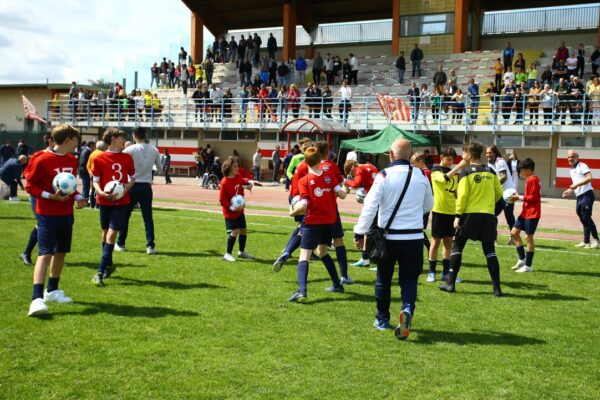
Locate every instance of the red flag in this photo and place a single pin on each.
(30, 111)
(394, 108)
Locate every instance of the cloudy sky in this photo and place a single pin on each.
(68, 40)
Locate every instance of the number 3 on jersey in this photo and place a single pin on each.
(118, 172)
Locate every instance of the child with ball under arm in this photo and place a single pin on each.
(529, 218)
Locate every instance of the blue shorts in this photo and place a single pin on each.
(54, 234)
(233, 224)
(299, 219)
(314, 235)
(337, 231)
(33, 202)
(113, 217)
(526, 225)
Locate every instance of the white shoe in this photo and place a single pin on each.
(38, 307)
(57, 296)
(431, 277)
(594, 244)
(361, 263)
(247, 256)
(525, 268)
(150, 250)
(582, 245)
(228, 257)
(14, 199)
(519, 264)
(119, 248)
(346, 281)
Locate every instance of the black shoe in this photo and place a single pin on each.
(497, 291)
(26, 259)
(314, 257)
(109, 271)
(297, 297)
(447, 287)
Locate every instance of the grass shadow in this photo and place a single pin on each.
(592, 274)
(178, 253)
(94, 265)
(341, 297)
(128, 311)
(512, 285)
(17, 217)
(478, 337)
(539, 296)
(549, 247)
(165, 284)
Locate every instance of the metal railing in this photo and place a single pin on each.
(541, 20)
(431, 113)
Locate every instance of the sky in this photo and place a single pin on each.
(77, 40)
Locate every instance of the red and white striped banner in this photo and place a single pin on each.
(30, 111)
(394, 108)
(590, 157)
(182, 152)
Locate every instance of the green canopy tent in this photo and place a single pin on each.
(381, 142)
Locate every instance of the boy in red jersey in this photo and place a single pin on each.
(529, 218)
(112, 165)
(363, 174)
(54, 212)
(235, 221)
(318, 193)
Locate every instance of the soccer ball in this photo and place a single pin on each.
(65, 182)
(508, 193)
(360, 195)
(115, 188)
(294, 201)
(238, 201)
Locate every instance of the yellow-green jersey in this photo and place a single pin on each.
(478, 190)
(444, 190)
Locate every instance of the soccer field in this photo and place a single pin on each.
(183, 324)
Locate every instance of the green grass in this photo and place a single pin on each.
(185, 325)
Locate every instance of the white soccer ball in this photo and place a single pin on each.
(238, 201)
(294, 201)
(508, 193)
(65, 182)
(360, 195)
(115, 188)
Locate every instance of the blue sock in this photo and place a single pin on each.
(445, 266)
(342, 258)
(521, 252)
(330, 265)
(38, 291)
(53, 284)
(230, 243)
(106, 259)
(364, 255)
(242, 243)
(302, 276)
(432, 266)
(293, 243)
(529, 259)
(31, 242)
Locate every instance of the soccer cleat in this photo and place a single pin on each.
(583, 245)
(26, 259)
(431, 277)
(278, 264)
(519, 264)
(381, 325)
(109, 271)
(403, 329)
(346, 281)
(38, 307)
(297, 297)
(497, 291)
(150, 250)
(335, 289)
(445, 279)
(120, 248)
(594, 244)
(57, 296)
(247, 256)
(15, 198)
(97, 279)
(361, 263)
(525, 268)
(228, 257)
(447, 287)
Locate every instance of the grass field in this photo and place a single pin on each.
(185, 325)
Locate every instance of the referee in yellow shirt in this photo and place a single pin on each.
(478, 191)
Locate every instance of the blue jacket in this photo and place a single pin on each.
(11, 171)
(300, 64)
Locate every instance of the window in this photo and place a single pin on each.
(508, 141)
(453, 139)
(595, 141)
(268, 136)
(28, 125)
(228, 135)
(572, 141)
(418, 25)
(246, 135)
(190, 135)
(173, 134)
(211, 135)
(537, 141)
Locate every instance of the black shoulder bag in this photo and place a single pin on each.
(375, 246)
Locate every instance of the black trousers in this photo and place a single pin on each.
(140, 193)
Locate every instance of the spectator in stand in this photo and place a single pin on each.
(458, 100)
(448, 104)
(209, 69)
(572, 64)
(436, 104)
(346, 70)
(580, 59)
(521, 79)
(440, 79)
(290, 76)
(499, 70)
(232, 50)
(337, 68)
(223, 50)
(508, 100)
(184, 79)
(227, 96)
(272, 73)
(263, 95)
(415, 58)
(507, 56)
(473, 94)
(415, 100)
(300, 69)
(249, 48)
(242, 72)
(595, 60)
(519, 105)
(345, 106)
(328, 66)
(533, 102)
(282, 100)
(425, 102)
(353, 69)
(248, 71)
(576, 92)
(271, 45)
(178, 76)
(560, 71)
(216, 96)
(182, 56)
(317, 68)
(241, 50)
(562, 90)
(509, 76)
(256, 162)
(275, 156)
(519, 65)
(327, 101)
(401, 67)
(547, 103)
(562, 53)
(593, 92)
(244, 95)
(532, 75)
(492, 92)
(257, 41)
(282, 72)
(153, 75)
(293, 98)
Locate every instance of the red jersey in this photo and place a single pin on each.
(333, 167)
(113, 166)
(532, 200)
(39, 176)
(229, 188)
(364, 176)
(31, 161)
(299, 173)
(319, 192)
(427, 173)
(245, 174)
